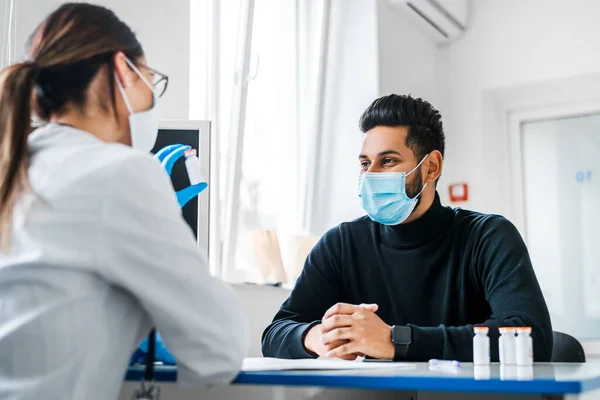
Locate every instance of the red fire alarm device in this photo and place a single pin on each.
(458, 192)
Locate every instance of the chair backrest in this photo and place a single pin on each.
(567, 349)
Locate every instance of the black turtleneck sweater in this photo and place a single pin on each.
(440, 275)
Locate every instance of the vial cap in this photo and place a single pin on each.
(481, 329)
(523, 329)
(190, 152)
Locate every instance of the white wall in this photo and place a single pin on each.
(407, 58)
(163, 28)
(260, 304)
(351, 84)
(525, 47)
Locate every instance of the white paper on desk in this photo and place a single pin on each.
(277, 364)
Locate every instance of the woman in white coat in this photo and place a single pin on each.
(94, 251)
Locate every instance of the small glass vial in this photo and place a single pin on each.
(524, 346)
(192, 165)
(507, 346)
(481, 346)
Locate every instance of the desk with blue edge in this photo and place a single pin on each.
(547, 380)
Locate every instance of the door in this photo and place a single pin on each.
(561, 188)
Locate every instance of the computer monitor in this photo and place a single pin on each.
(197, 135)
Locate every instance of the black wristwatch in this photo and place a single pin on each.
(401, 338)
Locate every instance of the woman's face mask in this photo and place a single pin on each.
(383, 196)
(143, 125)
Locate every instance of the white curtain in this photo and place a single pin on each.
(273, 124)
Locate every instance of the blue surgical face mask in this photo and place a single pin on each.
(383, 196)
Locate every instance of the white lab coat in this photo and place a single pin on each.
(99, 255)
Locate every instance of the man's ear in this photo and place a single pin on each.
(433, 165)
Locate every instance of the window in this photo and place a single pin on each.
(264, 111)
(269, 132)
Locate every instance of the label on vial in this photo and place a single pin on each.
(507, 350)
(524, 350)
(481, 350)
(192, 165)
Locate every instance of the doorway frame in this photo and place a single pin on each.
(515, 120)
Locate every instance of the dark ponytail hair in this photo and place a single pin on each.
(66, 52)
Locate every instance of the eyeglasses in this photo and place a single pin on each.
(160, 81)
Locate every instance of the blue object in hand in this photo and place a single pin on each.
(167, 157)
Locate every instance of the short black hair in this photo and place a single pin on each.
(425, 131)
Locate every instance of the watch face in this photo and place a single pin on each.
(402, 335)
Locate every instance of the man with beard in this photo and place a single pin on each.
(410, 280)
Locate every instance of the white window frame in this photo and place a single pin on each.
(515, 121)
